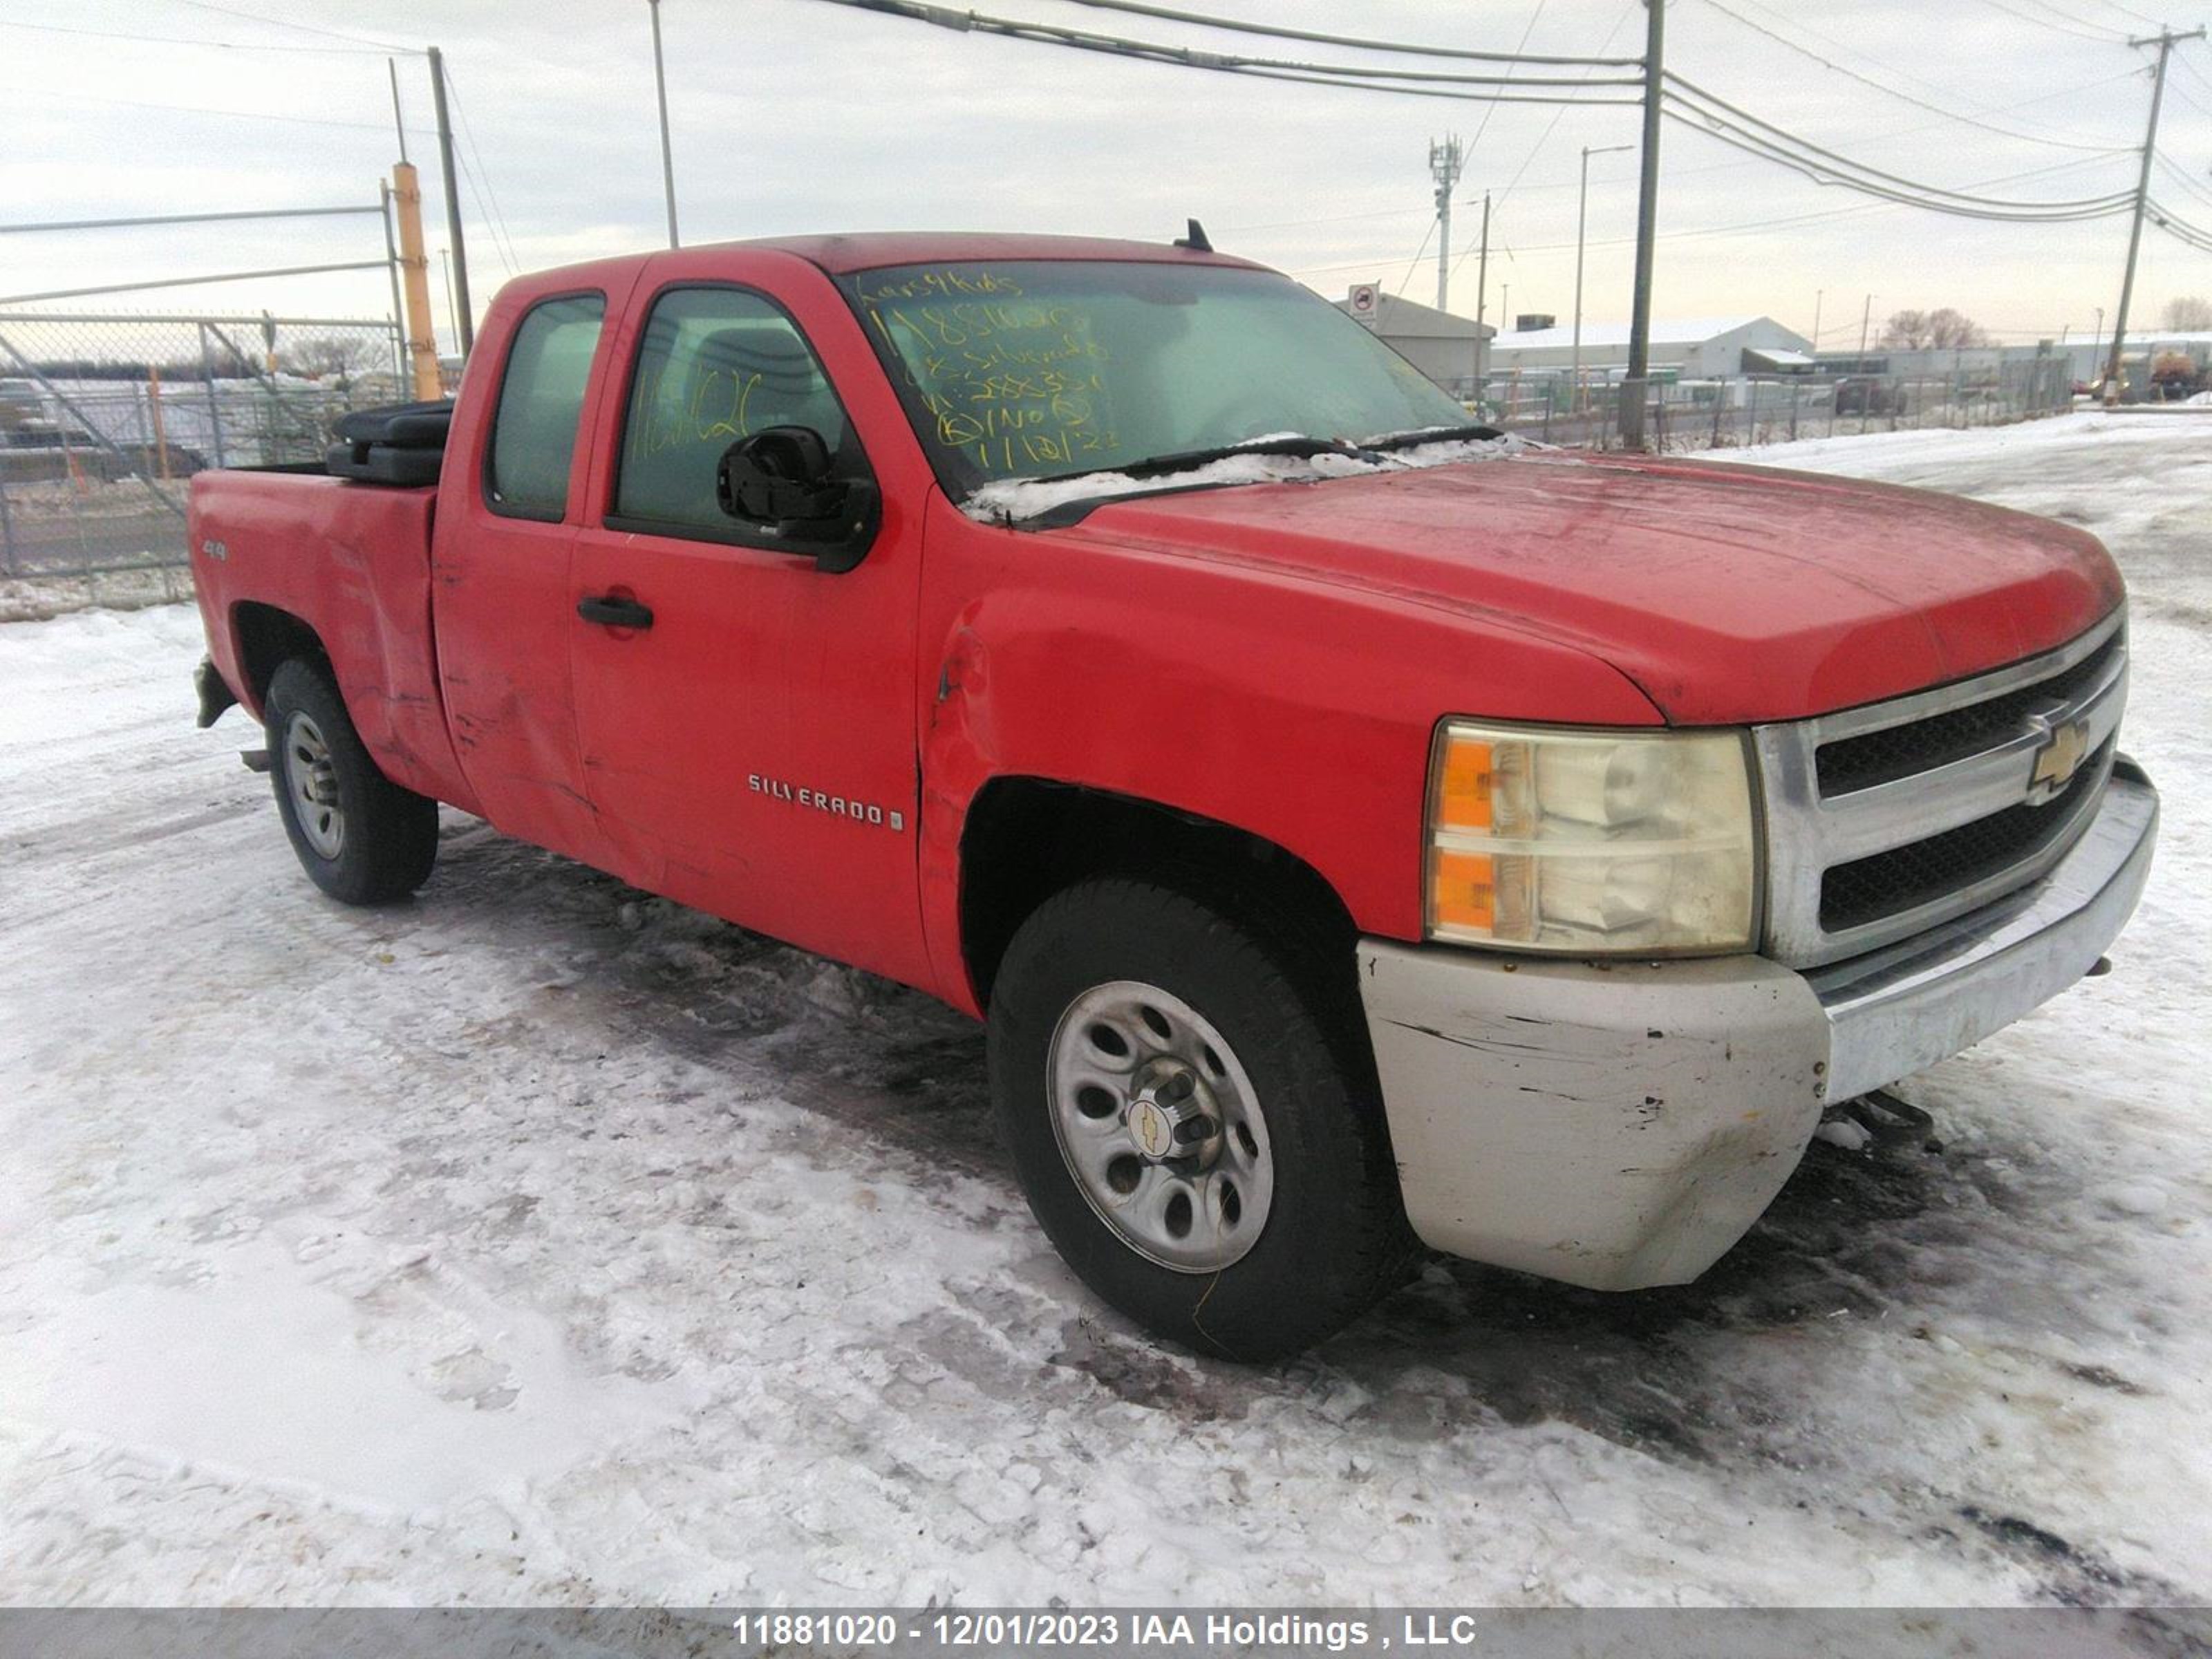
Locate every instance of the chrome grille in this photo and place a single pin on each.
(1890, 819)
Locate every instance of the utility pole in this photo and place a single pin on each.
(1481, 294)
(1819, 294)
(1866, 317)
(668, 156)
(1445, 162)
(453, 204)
(1647, 218)
(1581, 218)
(2165, 40)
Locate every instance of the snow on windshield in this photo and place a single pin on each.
(1016, 500)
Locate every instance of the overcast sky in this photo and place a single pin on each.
(796, 116)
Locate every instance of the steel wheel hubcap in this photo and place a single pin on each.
(313, 782)
(1160, 1126)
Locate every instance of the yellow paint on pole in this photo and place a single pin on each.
(415, 265)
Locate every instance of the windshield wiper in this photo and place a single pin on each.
(1289, 443)
(1417, 436)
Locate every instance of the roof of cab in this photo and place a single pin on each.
(840, 255)
(871, 251)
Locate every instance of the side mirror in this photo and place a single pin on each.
(779, 481)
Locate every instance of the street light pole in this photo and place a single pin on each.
(1581, 218)
(667, 156)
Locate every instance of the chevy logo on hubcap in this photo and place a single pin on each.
(2058, 760)
(1150, 1128)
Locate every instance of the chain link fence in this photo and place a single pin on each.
(104, 419)
(1741, 411)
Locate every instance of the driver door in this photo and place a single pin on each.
(746, 719)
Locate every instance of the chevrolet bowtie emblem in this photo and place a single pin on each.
(2058, 760)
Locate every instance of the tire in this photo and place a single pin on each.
(1294, 1227)
(361, 837)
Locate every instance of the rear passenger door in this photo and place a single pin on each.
(752, 749)
(503, 613)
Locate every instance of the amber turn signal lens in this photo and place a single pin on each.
(1464, 893)
(1463, 790)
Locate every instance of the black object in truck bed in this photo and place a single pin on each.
(397, 444)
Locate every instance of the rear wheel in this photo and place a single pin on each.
(361, 837)
(1190, 1123)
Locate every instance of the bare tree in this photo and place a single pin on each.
(339, 357)
(1943, 329)
(2188, 312)
(1949, 330)
(1905, 330)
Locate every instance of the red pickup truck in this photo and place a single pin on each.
(1355, 828)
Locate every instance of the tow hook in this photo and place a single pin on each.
(256, 760)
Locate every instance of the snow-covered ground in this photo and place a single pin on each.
(539, 1241)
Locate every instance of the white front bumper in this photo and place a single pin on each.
(1621, 1124)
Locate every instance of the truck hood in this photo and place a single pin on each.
(1729, 594)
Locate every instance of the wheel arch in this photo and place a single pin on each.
(1025, 838)
(268, 636)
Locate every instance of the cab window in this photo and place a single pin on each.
(714, 365)
(541, 398)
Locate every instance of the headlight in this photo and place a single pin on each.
(1588, 842)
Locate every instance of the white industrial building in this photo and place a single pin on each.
(1688, 348)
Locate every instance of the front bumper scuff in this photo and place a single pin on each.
(1622, 1124)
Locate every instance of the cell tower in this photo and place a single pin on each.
(1445, 163)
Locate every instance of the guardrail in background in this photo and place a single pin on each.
(103, 418)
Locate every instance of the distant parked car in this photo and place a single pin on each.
(1864, 395)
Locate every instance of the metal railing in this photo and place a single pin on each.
(105, 418)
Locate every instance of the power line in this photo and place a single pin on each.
(74, 97)
(2101, 38)
(1533, 18)
(1904, 97)
(1545, 137)
(1732, 124)
(1238, 25)
(185, 40)
(1424, 82)
(494, 217)
(1823, 216)
(304, 28)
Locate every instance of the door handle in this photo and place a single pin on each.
(610, 612)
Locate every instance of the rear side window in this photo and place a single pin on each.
(715, 365)
(534, 434)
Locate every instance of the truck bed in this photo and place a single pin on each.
(350, 560)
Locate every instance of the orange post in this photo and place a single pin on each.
(161, 428)
(415, 265)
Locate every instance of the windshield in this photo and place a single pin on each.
(1045, 369)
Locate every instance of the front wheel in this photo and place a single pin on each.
(361, 837)
(1190, 1122)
